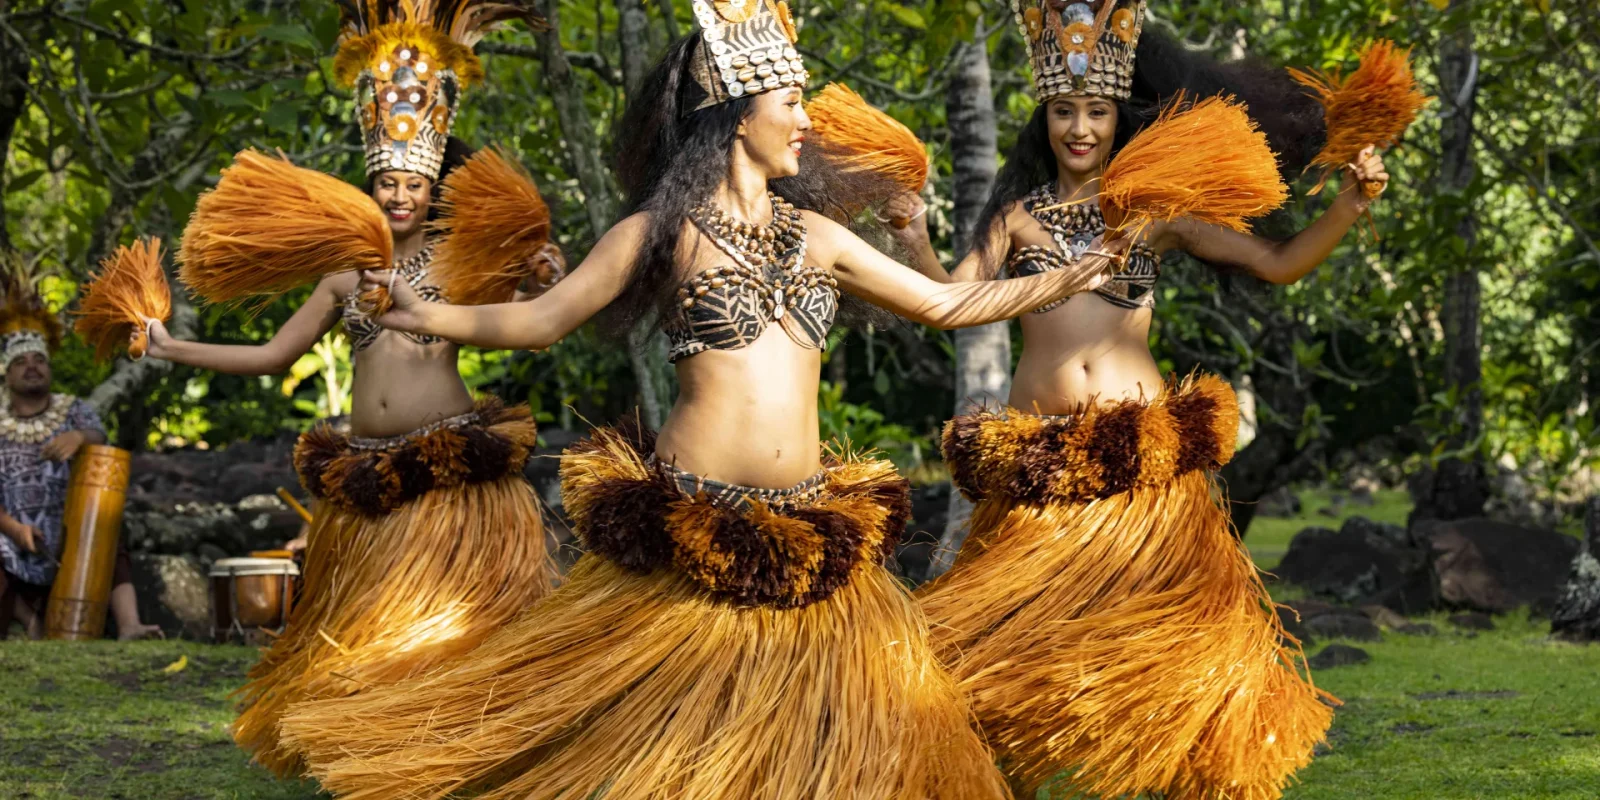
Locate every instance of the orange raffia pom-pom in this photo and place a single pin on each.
(270, 226)
(493, 228)
(1207, 162)
(130, 288)
(1372, 106)
(861, 137)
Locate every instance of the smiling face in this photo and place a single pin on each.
(404, 198)
(1081, 132)
(28, 374)
(774, 131)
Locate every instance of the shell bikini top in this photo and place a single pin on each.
(728, 308)
(358, 323)
(1073, 228)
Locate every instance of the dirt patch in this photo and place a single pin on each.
(1457, 694)
(128, 681)
(1411, 727)
(45, 685)
(1577, 734)
(127, 754)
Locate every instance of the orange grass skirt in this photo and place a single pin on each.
(1107, 625)
(389, 596)
(630, 684)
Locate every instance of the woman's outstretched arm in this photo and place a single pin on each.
(310, 322)
(1288, 261)
(529, 325)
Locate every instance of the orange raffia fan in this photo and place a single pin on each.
(493, 228)
(1205, 161)
(130, 288)
(1372, 106)
(861, 137)
(270, 226)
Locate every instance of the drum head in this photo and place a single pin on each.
(253, 566)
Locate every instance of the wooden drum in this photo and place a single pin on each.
(96, 493)
(250, 595)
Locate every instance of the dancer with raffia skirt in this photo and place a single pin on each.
(732, 633)
(426, 536)
(1104, 619)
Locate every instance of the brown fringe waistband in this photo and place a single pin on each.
(376, 478)
(1104, 451)
(745, 548)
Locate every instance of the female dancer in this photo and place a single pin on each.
(426, 537)
(1102, 615)
(732, 632)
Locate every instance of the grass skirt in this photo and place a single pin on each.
(389, 595)
(642, 683)
(1103, 617)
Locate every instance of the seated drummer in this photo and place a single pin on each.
(40, 432)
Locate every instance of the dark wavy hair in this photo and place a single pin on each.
(670, 157)
(1164, 69)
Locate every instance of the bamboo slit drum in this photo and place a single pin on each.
(1103, 617)
(421, 546)
(96, 494)
(717, 642)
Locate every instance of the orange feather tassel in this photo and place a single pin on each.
(130, 288)
(1207, 162)
(865, 138)
(1373, 106)
(270, 226)
(494, 226)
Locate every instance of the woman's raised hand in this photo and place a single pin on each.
(1368, 172)
(407, 312)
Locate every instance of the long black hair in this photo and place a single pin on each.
(670, 157)
(1163, 69)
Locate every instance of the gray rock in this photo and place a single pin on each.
(1472, 621)
(1338, 655)
(1491, 566)
(174, 592)
(1344, 624)
(1575, 613)
(1418, 629)
(1362, 563)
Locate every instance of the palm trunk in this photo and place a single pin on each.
(983, 354)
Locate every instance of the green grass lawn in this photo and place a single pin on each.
(1496, 715)
(102, 720)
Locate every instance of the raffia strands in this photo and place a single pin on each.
(1372, 106)
(389, 597)
(1128, 642)
(861, 137)
(494, 222)
(1207, 162)
(636, 687)
(270, 226)
(130, 288)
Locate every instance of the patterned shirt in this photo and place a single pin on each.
(33, 491)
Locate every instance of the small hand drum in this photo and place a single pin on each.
(250, 596)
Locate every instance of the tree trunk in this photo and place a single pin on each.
(1457, 486)
(594, 180)
(14, 75)
(633, 28)
(983, 354)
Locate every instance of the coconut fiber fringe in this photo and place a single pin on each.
(388, 596)
(1103, 618)
(637, 683)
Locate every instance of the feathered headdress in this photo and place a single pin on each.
(409, 61)
(1081, 47)
(27, 325)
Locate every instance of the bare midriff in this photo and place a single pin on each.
(1081, 352)
(400, 386)
(747, 416)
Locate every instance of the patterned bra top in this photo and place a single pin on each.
(1073, 228)
(728, 308)
(359, 325)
